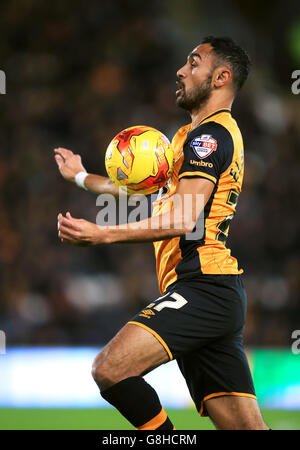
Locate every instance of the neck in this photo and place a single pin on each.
(209, 108)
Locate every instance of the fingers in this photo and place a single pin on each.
(66, 233)
(70, 236)
(63, 152)
(68, 222)
(59, 159)
(71, 230)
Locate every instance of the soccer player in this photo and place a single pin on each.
(200, 316)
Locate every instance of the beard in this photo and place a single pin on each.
(196, 97)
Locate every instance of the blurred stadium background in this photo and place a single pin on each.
(77, 73)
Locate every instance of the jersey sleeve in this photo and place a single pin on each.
(208, 152)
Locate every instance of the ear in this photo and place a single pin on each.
(222, 76)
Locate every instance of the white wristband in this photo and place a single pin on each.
(79, 179)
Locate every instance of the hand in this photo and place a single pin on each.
(68, 163)
(79, 231)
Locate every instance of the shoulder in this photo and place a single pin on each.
(210, 137)
(218, 130)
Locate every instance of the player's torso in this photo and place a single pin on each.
(180, 257)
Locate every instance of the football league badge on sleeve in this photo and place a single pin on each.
(204, 145)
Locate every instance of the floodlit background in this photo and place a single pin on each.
(76, 74)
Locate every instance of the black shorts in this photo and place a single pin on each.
(199, 322)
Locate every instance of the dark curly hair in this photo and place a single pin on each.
(228, 52)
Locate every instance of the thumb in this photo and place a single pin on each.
(68, 215)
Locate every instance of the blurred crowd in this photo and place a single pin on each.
(78, 73)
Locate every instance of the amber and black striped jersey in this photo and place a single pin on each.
(214, 150)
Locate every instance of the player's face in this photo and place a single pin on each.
(194, 79)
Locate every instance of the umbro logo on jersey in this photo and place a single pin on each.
(204, 145)
(201, 163)
(147, 313)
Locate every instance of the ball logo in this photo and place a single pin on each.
(109, 152)
(204, 145)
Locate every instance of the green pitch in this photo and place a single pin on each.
(108, 419)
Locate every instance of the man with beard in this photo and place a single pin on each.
(200, 316)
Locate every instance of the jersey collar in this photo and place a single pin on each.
(189, 131)
(214, 113)
(187, 128)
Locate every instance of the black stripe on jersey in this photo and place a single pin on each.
(190, 260)
(219, 161)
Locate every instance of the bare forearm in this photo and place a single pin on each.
(156, 228)
(101, 185)
(177, 221)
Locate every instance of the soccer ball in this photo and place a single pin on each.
(139, 158)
